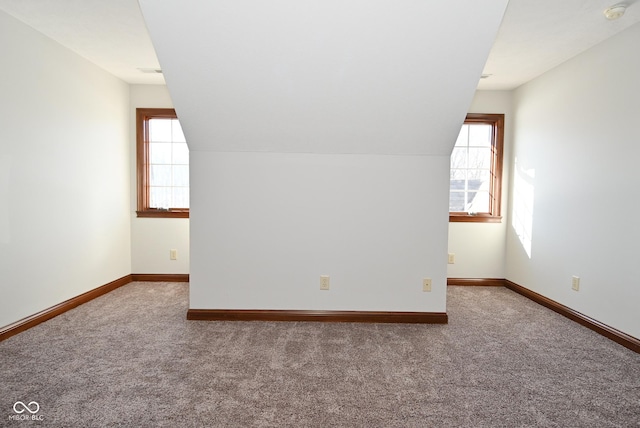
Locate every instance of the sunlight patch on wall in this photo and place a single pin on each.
(522, 215)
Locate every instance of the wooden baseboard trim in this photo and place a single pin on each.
(160, 277)
(321, 316)
(616, 335)
(492, 282)
(44, 315)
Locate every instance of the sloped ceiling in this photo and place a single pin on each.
(534, 37)
(111, 34)
(363, 76)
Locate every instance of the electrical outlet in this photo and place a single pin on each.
(173, 254)
(426, 284)
(452, 258)
(324, 282)
(575, 283)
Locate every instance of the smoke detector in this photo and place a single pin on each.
(615, 12)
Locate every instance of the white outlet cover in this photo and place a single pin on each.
(575, 283)
(325, 283)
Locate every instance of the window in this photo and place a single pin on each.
(476, 170)
(162, 164)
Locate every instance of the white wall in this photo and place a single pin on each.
(272, 223)
(64, 174)
(320, 144)
(153, 238)
(576, 147)
(479, 248)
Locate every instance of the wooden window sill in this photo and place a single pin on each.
(163, 214)
(455, 218)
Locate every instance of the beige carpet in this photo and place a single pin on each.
(131, 359)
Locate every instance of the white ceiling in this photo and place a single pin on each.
(535, 36)
(109, 33)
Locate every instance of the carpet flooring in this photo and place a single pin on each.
(131, 359)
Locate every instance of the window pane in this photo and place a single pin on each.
(164, 183)
(480, 158)
(458, 175)
(456, 201)
(463, 136)
(160, 175)
(177, 134)
(480, 135)
(160, 153)
(459, 157)
(160, 197)
(478, 202)
(180, 197)
(478, 180)
(480, 176)
(478, 149)
(160, 130)
(180, 153)
(180, 175)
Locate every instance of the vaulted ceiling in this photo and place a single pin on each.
(535, 36)
(361, 76)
